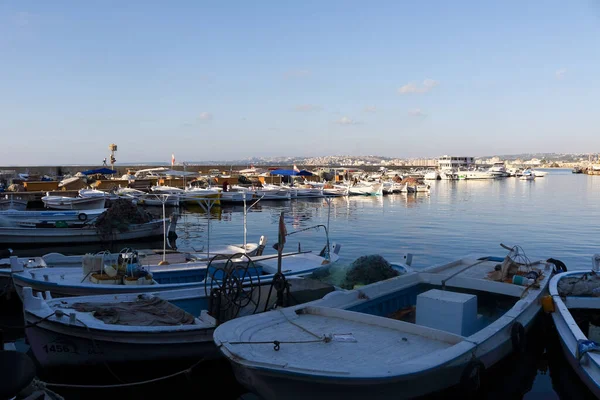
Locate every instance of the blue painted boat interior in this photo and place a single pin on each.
(402, 304)
(193, 275)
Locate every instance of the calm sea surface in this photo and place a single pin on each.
(554, 216)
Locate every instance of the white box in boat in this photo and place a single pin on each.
(447, 311)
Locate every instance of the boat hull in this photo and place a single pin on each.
(75, 203)
(569, 333)
(270, 384)
(58, 345)
(347, 374)
(18, 235)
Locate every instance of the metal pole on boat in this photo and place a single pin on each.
(328, 200)
(207, 207)
(245, 215)
(280, 242)
(163, 200)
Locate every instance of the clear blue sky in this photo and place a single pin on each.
(226, 80)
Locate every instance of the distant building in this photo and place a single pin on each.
(452, 162)
(421, 162)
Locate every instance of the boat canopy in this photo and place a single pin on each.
(103, 171)
(291, 172)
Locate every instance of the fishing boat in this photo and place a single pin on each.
(30, 218)
(95, 193)
(150, 257)
(49, 233)
(363, 188)
(404, 337)
(576, 315)
(165, 325)
(148, 199)
(73, 203)
(134, 276)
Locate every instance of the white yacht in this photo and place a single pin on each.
(475, 174)
(499, 170)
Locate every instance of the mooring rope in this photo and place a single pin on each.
(129, 384)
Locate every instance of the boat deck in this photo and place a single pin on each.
(389, 345)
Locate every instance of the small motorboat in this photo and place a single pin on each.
(73, 203)
(403, 337)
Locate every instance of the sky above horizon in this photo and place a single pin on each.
(234, 79)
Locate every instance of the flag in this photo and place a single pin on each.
(172, 160)
(282, 232)
(296, 168)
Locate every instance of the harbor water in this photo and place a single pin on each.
(553, 216)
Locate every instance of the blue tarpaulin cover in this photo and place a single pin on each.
(104, 171)
(288, 172)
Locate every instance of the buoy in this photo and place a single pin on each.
(164, 262)
(518, 338)
(548, 304)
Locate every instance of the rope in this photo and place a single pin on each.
(96, 349)
(121, 385)
(461, 271)
(299, 326)
(27, 325)
(277, 343)
(39, 386)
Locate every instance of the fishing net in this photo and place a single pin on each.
(120, 216)
(585, 285)
(144, 311)
(368, 269)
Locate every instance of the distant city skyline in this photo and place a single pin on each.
(229, 81)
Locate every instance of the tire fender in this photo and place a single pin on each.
(518, 337)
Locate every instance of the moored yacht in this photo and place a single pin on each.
(499, 170)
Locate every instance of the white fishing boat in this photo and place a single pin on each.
(84, 233)
(73, 203)
(195, 194)
(576, 308)
(32, 218)
(166, 325)
(404, 337)
(363, 188)
(235, 197)
(148, 199)
(538, 173)
(148, 257)
(95, 193)
(95, 277)
(264, 193)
